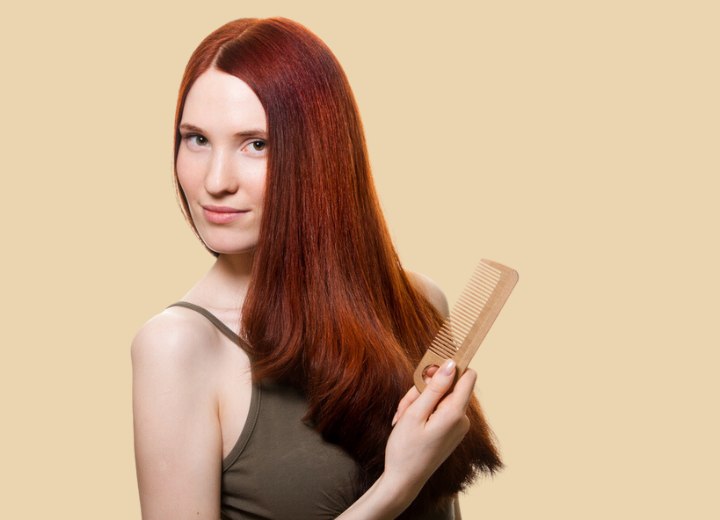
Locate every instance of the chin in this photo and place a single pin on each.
(227, 242)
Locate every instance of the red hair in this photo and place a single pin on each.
(329, 309)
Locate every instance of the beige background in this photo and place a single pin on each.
(575, 141)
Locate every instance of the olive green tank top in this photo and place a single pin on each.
(280, 467)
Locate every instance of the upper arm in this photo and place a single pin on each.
(178, 445)
(432, 292)
(456, 508)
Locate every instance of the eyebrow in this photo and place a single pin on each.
(255, 132)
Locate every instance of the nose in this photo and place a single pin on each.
(221, 176)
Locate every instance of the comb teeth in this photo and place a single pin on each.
(471, 303)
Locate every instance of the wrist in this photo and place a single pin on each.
(386, 499)
(398, 492)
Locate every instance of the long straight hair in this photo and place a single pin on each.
(329, 309)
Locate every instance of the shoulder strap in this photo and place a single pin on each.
(213, 319)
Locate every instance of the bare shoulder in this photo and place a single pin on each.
(176, 337)
(178, 439)
(431, 290)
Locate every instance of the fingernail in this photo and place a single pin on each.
(394, 420)
(449, 367)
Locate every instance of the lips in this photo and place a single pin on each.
(222, 214)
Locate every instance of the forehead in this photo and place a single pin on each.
(220, 102)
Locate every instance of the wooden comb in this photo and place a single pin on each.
(472, 316)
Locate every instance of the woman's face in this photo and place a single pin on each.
(222, 161)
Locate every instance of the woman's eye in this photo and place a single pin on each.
(258, 145)
(196, 139)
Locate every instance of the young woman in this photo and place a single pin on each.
(278, 386)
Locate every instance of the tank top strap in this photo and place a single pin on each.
(214, 320)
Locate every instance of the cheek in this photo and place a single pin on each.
(188, 174)
(260, 191)
(256, 183)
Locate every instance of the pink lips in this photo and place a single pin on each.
(222, 214)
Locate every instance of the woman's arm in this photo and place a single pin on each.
(429, 427)
(178, 446)
(456, 508)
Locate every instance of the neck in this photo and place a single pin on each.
(228, 280)
(236, 266)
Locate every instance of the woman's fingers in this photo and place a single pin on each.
(429, 426)
(429, 372)
(436, 388)
(406, 401)
(449, 417)
(441, 381)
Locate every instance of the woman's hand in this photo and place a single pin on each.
(427, 428)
